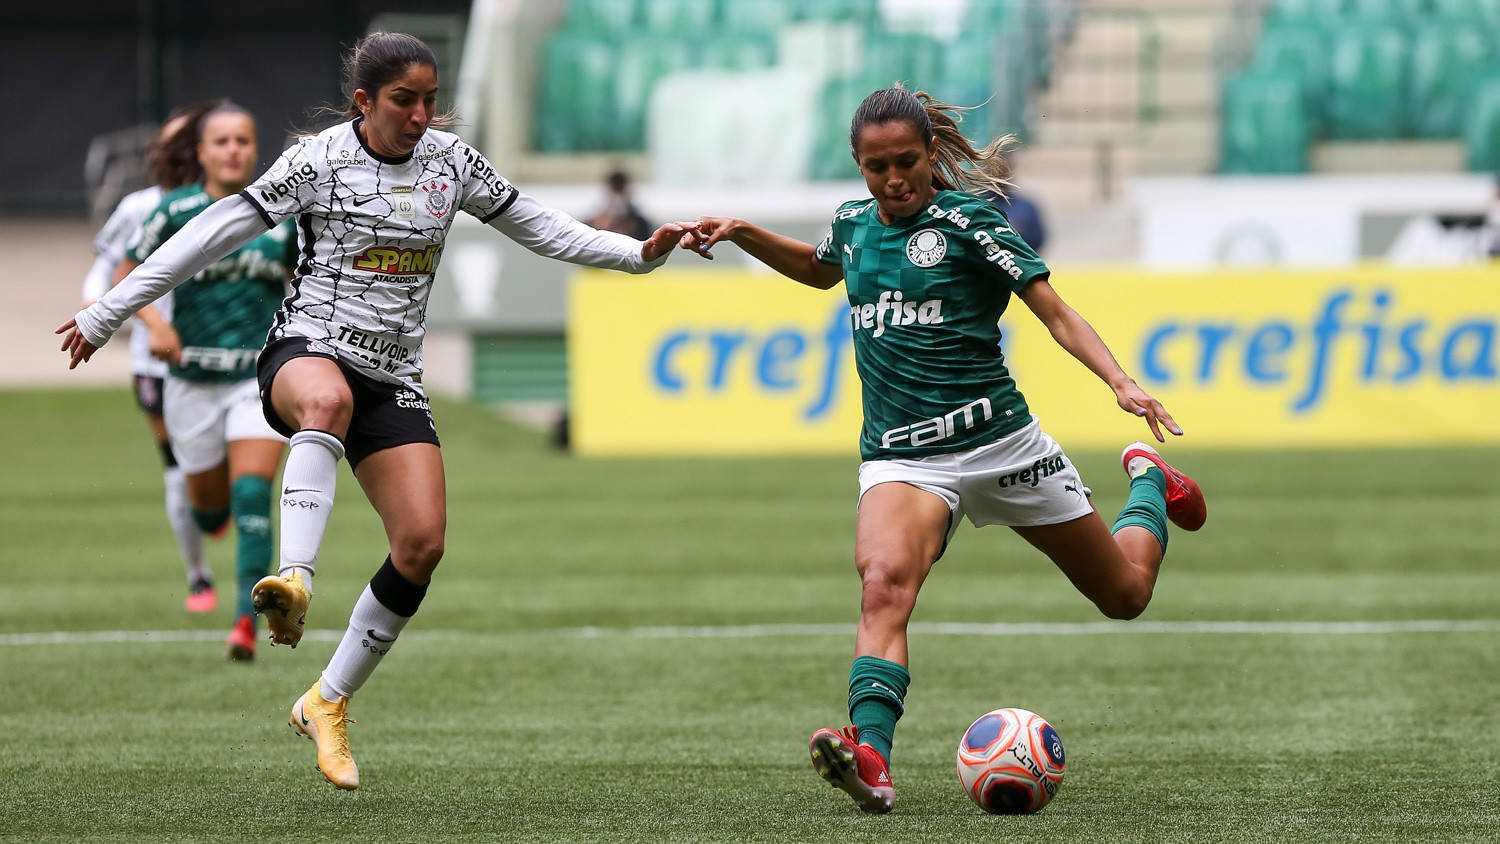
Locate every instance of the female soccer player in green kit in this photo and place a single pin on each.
(929, 268)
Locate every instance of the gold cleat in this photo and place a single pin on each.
(283, 601)
(323, 722)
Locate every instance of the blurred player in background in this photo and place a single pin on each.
(619, 213)
(218, 324)
(172, 163)
(929, 270)
(342, 371)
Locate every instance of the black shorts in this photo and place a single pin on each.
(148, 393)
(385, 415)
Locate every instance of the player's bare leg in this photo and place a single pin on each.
(899, 536)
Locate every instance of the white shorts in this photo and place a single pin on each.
(202, 418)
(1020, 480)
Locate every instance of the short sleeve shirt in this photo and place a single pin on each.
(925, 298)
(371, 230)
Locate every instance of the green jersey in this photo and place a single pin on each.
(221, 314)
(925, 298)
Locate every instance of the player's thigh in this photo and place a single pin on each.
(900, 532)
(1086, 552)
(310, 391)
(406, 486)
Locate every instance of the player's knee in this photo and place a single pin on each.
(1126, 603)
(417, 554)
(886, 585)
(326, 409)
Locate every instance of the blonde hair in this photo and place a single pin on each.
(959, 165)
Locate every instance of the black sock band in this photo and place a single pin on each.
(395, 592)
(168, 459)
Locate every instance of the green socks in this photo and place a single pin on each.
(1147, 505)
(877, 691)
(250, 500)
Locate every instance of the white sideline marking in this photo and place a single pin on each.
(757, 631)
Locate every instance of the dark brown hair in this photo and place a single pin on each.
(377, 60)
(173, 159)
(959, 165)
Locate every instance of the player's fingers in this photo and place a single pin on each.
(1167, 420)
(1155, 427)
(70, 324)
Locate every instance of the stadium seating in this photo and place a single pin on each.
(1482, 133)
(1265, 130)
(599, 67)
(1369, 70)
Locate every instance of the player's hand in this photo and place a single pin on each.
(165, 345)
(79, 350)
(708, 231)
(1135, 400)
(660, 242)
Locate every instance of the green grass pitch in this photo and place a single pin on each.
(500, 717)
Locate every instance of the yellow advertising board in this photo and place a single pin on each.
(737, 363)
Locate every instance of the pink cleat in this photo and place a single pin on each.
(1185, 504)
(855, 768)
(201, 597)
(241, 642)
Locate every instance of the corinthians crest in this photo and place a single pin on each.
(437, 198)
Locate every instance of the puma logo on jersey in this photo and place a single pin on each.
(892, 309)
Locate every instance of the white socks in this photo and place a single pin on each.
(307, 485)
(180, 517)
(372, 630)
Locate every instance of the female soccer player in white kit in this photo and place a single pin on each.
(173, 163)
(373, 198)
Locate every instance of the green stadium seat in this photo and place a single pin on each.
(1482, 132)
(735, 51)
(1263, 128)
(1485, 12)
(914, 59)
(639, 63)
(680, 15)
(1367, 82)
(575, 92)
(1317, 11)
(1404, 12)
(840, 98)
(1444, 60)
(839, 10)
(1298, 48)
(759, 15)
(603, 15)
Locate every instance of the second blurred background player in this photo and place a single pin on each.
(172, 163)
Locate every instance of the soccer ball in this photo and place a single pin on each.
(1010, 761)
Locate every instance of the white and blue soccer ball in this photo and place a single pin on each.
(1011, 761)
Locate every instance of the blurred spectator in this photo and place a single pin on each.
(1024, 215)
(619, 213)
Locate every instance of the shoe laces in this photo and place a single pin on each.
(338, 721)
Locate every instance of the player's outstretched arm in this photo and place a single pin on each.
(222, 228)
(790, 257)
(1073, 333)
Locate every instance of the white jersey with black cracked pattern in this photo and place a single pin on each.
(119, 233)
(371, 230)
